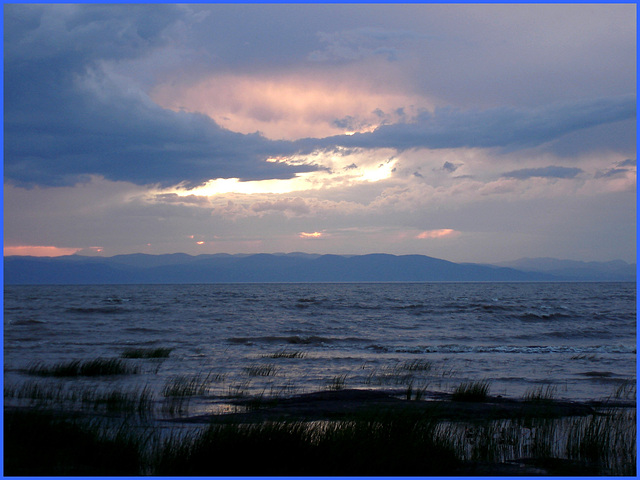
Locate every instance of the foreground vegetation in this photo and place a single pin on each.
(66, 429)
(400, 441)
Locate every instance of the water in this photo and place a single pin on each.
(579, 338)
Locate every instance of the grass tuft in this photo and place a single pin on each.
(471, 392)
(625, 391)
(87, 368)
(261, 370)
(286, 354)
(542, 394)
(416, 366)
(185, 386)
(385, 442)
(374, 445)
(114, 401)
(416, 394)
(337, 383)
(161, 352)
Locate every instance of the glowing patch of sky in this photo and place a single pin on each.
(440, 233)
(39, 251)
(292, 106)
(337, 170)
(311, 235)
(417, 184)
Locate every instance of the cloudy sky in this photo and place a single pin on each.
(478, 133)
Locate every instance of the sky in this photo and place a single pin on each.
(471, 133)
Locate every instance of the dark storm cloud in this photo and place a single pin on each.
(544, 172)
(67, 118)
(497, 127)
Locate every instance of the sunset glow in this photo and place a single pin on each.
(310, 235)
(289, 106)
(443, 232)
(342, 169)
(435, 129)
(39, 251)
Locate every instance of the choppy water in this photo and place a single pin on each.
(579, 338)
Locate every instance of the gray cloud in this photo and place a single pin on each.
(67, 118)
(497, 127)
(295, 205)
(544, 172)
(627, 163)
(614, 172)
(364, 42)
(450, 167)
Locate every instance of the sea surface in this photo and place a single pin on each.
(578, 339)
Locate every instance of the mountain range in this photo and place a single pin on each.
(297, 267)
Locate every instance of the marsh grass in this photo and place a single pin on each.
(261, 370)
(37, 391)
(606, 442)
(113, 400)
(415, 366)
(389, 376)
(186, 386)
(134, 401)
(161, 352)
(415, 393)
(541, 394)
(471, 391)
(86, 368)
(374, 445)
(385, 442)
(239, 390)
(407, 372)
(625, 391)
(337, 383)
(286, 354)
(607, 439)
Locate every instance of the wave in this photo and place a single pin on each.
(592, 333)
(307, 302)
(411, 306)
(518, 349)
(101, 310)
(142, 330)
(27, 321)
(294, 340)
(539, 316)
(116, 299)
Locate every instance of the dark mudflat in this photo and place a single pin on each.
(352, 403)
(333, 405)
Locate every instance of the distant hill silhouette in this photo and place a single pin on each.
(615, 270)
(292, 267)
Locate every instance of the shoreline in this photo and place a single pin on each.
(337, 404)
(293, 419)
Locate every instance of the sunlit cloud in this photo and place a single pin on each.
(291, 106)
(39, 251)
(372, 131)
(310, 235)
(440, 233)
(340, 168)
